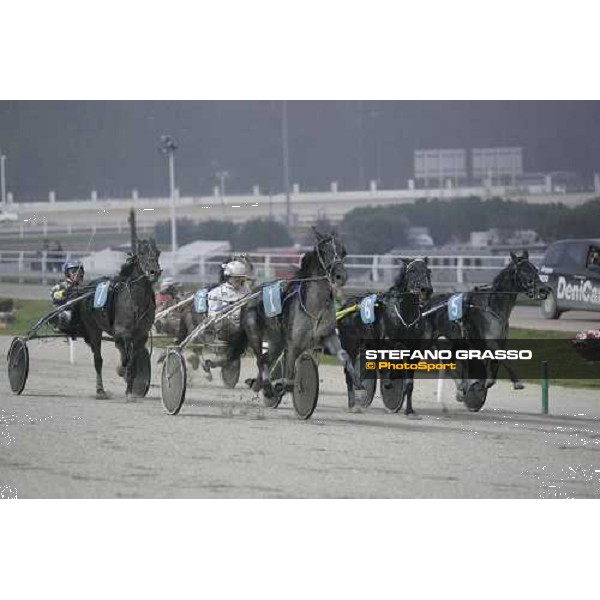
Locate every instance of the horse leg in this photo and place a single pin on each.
(409, 384)
(517, 384)
(122, 348)
(95, 342)
(255, 340)
(334, 346)
(350, 388)
(134, 349)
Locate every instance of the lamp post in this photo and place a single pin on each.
(361, 144)
(222, 176)
(168, 147)
(3, 178)
(286, 162)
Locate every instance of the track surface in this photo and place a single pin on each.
(57, 440)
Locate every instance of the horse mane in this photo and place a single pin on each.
(128, 266)
(306, 265)
(503, 276)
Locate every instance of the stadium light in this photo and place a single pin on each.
(285, 147)
(3, 178)
(168, 146)
(222, 176)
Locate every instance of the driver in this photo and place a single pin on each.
(594, 258)
(167, 294)
(233, 289)
(66, 290)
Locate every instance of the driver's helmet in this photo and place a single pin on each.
(166, 284)
(235, 268)
(73, 267)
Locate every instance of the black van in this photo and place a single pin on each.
(571, 268)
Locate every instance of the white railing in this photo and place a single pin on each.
(364, 271)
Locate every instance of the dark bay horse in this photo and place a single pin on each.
(397, 317)
(487, 311)
(129, 314)
(308, 318)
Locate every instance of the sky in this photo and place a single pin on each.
(73, 147)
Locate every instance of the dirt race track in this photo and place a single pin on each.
(58, 441)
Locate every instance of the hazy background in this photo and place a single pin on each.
(72, 147)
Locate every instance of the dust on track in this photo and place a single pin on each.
(58, 441)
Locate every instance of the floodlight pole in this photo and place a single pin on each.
(222, 177)
(168, 147)
(286, 162)
(3, 178)
(172, 194)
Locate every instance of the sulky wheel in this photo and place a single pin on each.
(306, 386)
(173, 381)
(18, 365)
(230, 373)
(276, 376)
(143, 374)
(392, 392)
(369, 383)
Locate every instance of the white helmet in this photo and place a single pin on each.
(235, 268)
(166, 283)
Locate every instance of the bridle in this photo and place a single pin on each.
(523, 283)
(419, 283)
(335, 262)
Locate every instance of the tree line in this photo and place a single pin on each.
(243, 238)
(379, 229)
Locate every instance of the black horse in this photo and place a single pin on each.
(308, 318)
(485, 321)
(128, 316)
(397, 317)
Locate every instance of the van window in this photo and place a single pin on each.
(593, 258)
(574, 256)
(554, 255)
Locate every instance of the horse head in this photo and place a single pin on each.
(331, 252)
(526, 277)
(147, 259)
(415, 276)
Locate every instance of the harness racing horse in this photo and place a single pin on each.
(307, 320)
(486, 315)
(397, 317)
(129, 315)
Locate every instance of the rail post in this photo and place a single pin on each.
(460, 274)
(44, 266)
(20, 265)
(71, 351)
(545, 385)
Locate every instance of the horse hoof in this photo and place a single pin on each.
(130, 398)
(101, 395)
(194, 361)
(121, 370)
(354, 409)
(413, 416)
(360, 395)
(518, 386)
